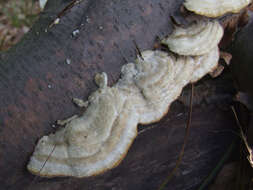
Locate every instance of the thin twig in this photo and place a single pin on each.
(187, 130)
(138, 50)
(35, 178)
(243, 136)
(63, 12)
(214, 172)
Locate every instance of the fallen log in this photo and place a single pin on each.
(51, 65)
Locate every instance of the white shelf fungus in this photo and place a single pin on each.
(89, 144)
(198, 39)
(215, 8)
(99, 139)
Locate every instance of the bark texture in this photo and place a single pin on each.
(242, 57)
(36, 87)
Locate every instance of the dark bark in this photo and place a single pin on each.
(37, 85)
(241, 50)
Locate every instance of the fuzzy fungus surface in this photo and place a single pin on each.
(198, 39)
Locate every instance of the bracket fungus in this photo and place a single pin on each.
(89, 144)
(100, 138)
(198, 39)
(215, 8)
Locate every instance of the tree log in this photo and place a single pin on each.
(36, 87)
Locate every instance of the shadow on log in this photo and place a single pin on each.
(37, 84)
(242, 57)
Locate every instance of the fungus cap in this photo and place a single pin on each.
(215, 8)
(198, 39)
(99, 139)
(90, 144)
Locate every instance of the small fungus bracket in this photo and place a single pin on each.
(101, 80)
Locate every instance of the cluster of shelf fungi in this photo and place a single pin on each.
(99, 139)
